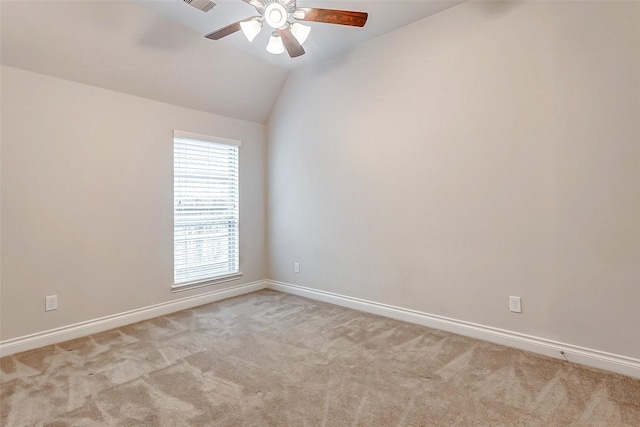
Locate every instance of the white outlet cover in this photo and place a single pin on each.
(514, 305)
(51, 303)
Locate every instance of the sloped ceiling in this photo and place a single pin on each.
(323, 42)
(119, 46)
(156, 49)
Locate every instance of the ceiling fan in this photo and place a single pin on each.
(285, 34)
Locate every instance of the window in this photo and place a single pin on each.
(205, 212)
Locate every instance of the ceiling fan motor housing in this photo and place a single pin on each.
(289, 5)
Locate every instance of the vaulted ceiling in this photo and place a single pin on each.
(156, 49)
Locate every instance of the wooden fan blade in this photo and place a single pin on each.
(290, 42)
(331, 16)
(225, 31)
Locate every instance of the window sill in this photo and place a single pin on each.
(202, 283)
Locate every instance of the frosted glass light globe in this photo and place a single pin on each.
(275, 44)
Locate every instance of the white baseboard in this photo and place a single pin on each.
(584, 356)
(77, 330)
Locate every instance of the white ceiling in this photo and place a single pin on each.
(324, 40)
(156, 48)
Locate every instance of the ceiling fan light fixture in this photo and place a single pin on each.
(276, 15)
(275, 44)
(285, 34)
(300, 32)
(251, 28)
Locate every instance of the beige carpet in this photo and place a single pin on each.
(269, 358)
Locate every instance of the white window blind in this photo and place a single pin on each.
(206, 214)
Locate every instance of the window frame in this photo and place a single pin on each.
(235, 275)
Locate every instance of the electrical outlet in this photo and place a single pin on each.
(514, 305)
(296, 267)
(51, 303)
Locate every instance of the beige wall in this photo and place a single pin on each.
(491, 150)
(488, 151)
(87, 200)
